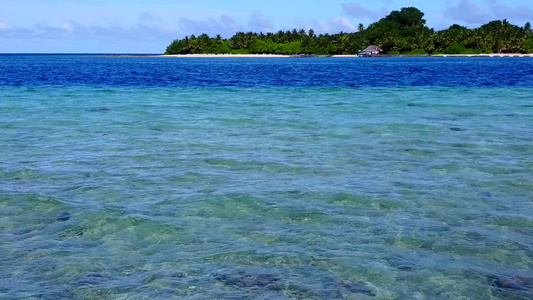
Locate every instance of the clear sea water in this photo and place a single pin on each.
(159, 178)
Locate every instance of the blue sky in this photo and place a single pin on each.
(148, 26)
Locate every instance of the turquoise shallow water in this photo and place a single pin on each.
(266, 193)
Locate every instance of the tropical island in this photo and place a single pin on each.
(401, 32)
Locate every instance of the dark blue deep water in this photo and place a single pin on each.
(278, 178)
(68, 70)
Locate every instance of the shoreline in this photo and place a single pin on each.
(484, 55)
(226, 55)
(315, 56)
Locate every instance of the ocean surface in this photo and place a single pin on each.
(323, 178)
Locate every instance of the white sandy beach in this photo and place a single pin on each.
(336, 56)
(225, 55)
(485, 55)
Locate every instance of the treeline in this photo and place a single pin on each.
(403, 31)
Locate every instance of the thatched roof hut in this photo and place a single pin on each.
(370, 51)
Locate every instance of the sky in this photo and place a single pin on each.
(148, 26)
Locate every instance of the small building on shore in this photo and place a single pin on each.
(370, 51)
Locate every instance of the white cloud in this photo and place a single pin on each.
(469, 12)
(322, 27)
(147, 18)
(68, 27)
(303, 25)
(522, 13)
(225, 25)
(259, 23)
(341, 24)
(332, 25)
(74, 31)
(3, 26)
(358, 11)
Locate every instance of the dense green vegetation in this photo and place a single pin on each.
(403, 31)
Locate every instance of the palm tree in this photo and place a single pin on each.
(527, 30)
(342, 43)
(238, 41)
